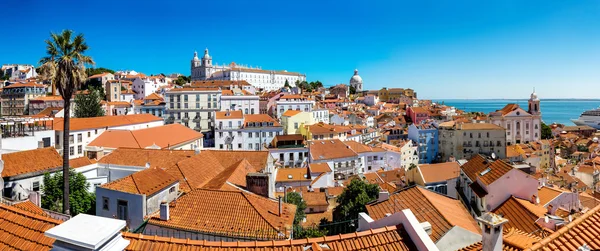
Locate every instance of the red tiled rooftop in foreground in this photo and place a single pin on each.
(387, 238)
(24, 230)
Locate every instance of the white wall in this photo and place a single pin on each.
(27, 142)
(136, 208)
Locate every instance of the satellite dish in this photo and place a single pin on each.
(570, 218)
(493, 155)
(546, 219)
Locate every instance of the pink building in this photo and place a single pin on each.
(417, 114)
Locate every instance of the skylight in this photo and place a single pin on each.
(487, 170)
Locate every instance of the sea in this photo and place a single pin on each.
(553, 110)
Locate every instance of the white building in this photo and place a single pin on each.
(294, 102)
(19, 71)
(289, 150)
(236, 131)
(521, 126)
(241, 100)
(144, 86)
(85, 130)
(320, 115)
(356, 81)
(265, 79)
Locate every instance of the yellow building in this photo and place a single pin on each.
(293, 120)
(399, 94)
(323, 131)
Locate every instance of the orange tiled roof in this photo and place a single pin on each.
(48, 98)
(362, 148)
(439, 172)
(582, 230)
(479, 164)
(259, 118)
(315, 198)
(508, 109)
(235, 174)
(81, 161)
(292, 174)
(512, 240)
(519, 216)
(248, 215)
(77, 124)
(440, 211)
(329, 149)
(162, 136)
(319, 168)
(30, 207)
(139, 157)
(148, 182)
(99, 75)
(387, 238)
(229, 115)
(37, 160)
(21, 85)
(153, 96)
(24, 230)
(290, 113)
(547, 194)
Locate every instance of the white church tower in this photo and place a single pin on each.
(356, 81)
(534, 104)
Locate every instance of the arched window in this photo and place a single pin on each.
(252, 110)
(246, 111)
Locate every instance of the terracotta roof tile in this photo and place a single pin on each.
(519, 216)
(319, 167)
(259, 118)
(77, 124)
(581, 231)
(139, 157)
(387, 238)
(513, 240)
(162, 136)
(439, 172)
(24, 230)
(290, 113)
(330, 149)
(315, 198)
(547, 194)
(486, 170)
(30, 207)
(235, 174)
(37, 160)
(148, 182)
(231, 213)
(81, 161)
(440, 211)
(292, 174)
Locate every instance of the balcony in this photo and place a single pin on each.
(196, 119)
(185, 119)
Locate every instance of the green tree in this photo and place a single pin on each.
(296, 199)
(64, 66)
(353, 199)
(287, 84)
(88, 105)
(99, 70)
(182, 80)
(4, 76)
(81, 201)
(352, 90)
(316, 84)
(546, 131)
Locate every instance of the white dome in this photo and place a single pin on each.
(196, 56)
(534, 96)
(356, 79)
(206, 56)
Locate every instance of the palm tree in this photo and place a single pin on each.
(64, 66)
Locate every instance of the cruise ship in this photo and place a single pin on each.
(589, 118)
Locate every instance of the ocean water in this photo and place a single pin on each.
(553, 110)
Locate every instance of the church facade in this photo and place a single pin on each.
(522, 126)
(268, 80)
(356, 82)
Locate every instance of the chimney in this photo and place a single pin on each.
(75, 234)
(280, 206)
(164, 211)
(491, 231)
(383, 195)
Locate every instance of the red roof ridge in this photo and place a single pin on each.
(30, 214)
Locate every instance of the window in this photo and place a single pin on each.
(105, 203)
(122, 210)
(295, 125)
(71, 150)
(257, 134)
(220, 146)
(79, 149)
(249, 146)
(89, 134)
(257, 146)
(240, 146)
(172, 190)
(96, 132)
(36, 186)
(250, 136)
(79, 137)
(239, 134)
(71, 139)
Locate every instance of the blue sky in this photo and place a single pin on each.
(442, 49)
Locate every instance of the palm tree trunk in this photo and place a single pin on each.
(66, 154)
